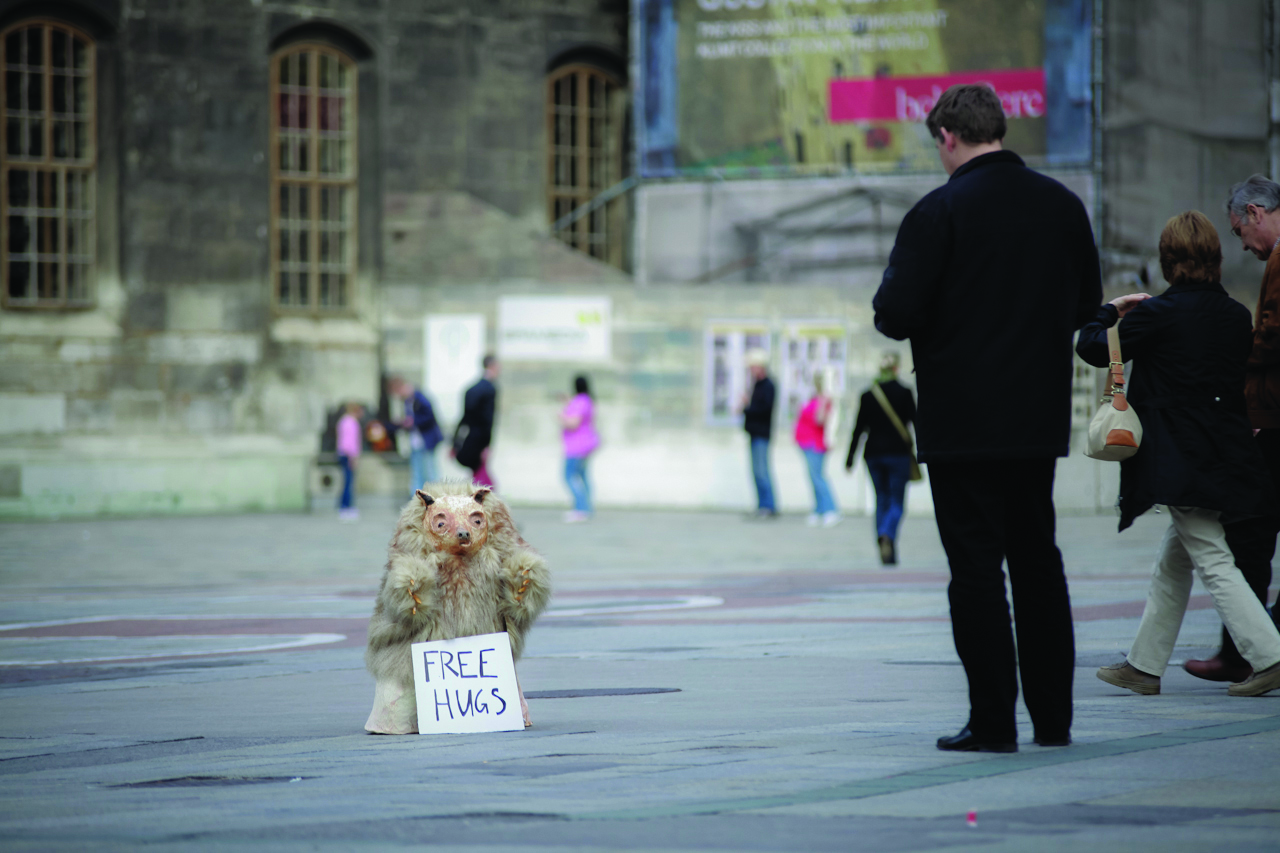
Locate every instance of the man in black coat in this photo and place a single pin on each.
(991, 275)
(475, 428)
(757, 420)
(1253, 208)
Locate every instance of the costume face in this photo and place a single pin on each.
(456, 524)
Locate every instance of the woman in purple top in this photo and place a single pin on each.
(580, 439)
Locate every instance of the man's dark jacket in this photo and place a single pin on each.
(1188, 347)
(991, 275)
(424, 420)
(883, 438)
(757, 417)
(475, 428)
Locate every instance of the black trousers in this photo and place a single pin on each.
(1253, 542)
(990, 512)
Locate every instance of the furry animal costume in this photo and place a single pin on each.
(456, 567)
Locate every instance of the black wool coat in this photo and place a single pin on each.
(475, 428)
(883, 438)
(757, 417)
(1188, 347)
(990, 276)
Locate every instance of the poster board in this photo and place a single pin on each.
(466, 685)
(810, 347)
(453, 345)
(555, 328)
(728, 379)
(746, 87)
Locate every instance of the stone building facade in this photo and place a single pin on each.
(280, 195)
(184, 376)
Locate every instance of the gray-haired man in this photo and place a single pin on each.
(1253, 206)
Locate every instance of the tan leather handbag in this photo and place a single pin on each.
(1115, 431)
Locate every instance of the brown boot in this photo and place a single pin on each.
(888, 557)
(1217, 668)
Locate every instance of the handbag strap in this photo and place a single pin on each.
(1116, 391)
(878, 393)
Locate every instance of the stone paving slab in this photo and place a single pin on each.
(809, 686)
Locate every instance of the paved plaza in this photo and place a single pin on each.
(700, 682)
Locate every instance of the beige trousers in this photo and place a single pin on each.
(1195, 542)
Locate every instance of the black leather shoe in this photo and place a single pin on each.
(1053, 741)
(967, 741)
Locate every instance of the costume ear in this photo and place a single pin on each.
(426, 499)
(480, 494)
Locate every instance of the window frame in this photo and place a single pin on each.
(48, 163)
(314, 180)
(578, 235)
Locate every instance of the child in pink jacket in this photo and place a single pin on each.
(348, 447)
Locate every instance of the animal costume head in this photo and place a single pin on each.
(455, 524)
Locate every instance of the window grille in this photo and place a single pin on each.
(585, 126)
(47, 166)
(313, 179)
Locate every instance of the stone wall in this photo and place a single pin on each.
(181, 364)
(658, 447)
(1186, 115)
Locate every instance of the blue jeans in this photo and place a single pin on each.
(889, 474)
(823, 502)
(760, 470)
(348, 480)
(575, 474)
(422, 468)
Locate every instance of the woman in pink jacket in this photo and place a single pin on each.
(810, 435)
(348, 448)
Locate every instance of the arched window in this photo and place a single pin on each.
(313, 178)
(47, 166)
(585, 124)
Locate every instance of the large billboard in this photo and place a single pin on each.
(793, 86)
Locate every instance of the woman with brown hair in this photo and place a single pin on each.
(1188, 347)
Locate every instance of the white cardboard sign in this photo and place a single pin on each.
(467, 684)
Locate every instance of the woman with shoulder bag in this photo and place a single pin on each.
(883, 413)
(1197, 456)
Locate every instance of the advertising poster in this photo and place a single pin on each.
(808, 350)
(729, 379)
(554, 328)
(453, 345)
(780, 86)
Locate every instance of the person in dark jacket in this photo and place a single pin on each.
(1253, 208)
(887, 455)
(757, 420)
(424, 433)
(990, 276)
(1189, 347)
(475, 428)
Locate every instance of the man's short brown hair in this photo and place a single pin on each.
(972, 112)
(1190, 250)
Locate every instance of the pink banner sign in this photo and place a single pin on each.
(1021, 94)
